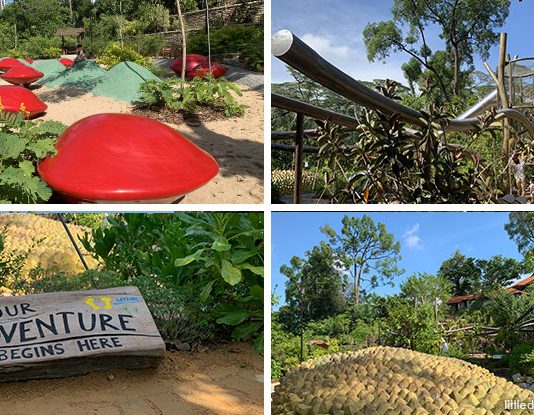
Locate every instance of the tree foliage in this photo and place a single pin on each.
(462, 272)
(466, 27)
(367, 250)
(314, 289)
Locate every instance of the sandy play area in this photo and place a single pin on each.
(225, 381)
(236, 143)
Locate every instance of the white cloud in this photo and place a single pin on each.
(411, 237)
(324, 46)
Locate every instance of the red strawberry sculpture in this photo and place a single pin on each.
(21, 75)
(66, 62)
(197, 66)
(122, 158)
(15, 99)
(7, 63)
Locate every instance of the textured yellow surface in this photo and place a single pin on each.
(387, 380)
(44, 240)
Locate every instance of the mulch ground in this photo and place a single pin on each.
(166, 115)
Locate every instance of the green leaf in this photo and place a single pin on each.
(221, 244)
(257, 292)
(232, 316)
(180, 262)
(244, 332)
(254, 269)
(230, 274)
(206, 291)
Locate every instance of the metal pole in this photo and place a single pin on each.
(299, 159)
(73, 241)
(291, 50)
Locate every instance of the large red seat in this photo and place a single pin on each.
(66, 62)
(192, 61)
(121, 158)
(217, 70)
(21, 75)
(15, 99)
(8, 63)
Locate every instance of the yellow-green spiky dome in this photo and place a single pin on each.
(45, 242)
(388, 380)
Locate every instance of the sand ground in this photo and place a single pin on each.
(236, 143)
(223, 381)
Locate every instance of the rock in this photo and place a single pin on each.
(181, 346)
(529, 380)
(524, 385)
(111, 377)
(517, 378)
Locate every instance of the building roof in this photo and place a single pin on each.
(523, 283)
(70, 31)
(460, 298)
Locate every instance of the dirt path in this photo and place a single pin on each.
(236, 143)
(223, 382)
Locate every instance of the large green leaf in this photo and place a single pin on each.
(230, 274)
(232, 315)
(180, 262)
(221, 244)
(247, 330)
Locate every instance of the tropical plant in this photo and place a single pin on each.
(115, 54)
(188, 96)
(22, 144)
(202, 272)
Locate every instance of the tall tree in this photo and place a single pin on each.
(498, 271)
(520, 229)
(463, 274)
(466, 26)
(367, 250)
(314, 289)
(423, 288)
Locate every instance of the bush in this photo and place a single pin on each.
(115, 54)
(40, 47)
(246, 40)
(190, 95)
(200, 273)
(150, 45)
(23, 143)
(52, 53)
(522, 358)
(17, 54)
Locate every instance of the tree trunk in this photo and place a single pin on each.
(70, 8)
(456, 70)
(120, 24)
(184, 40)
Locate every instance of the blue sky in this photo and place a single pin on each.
(427, 238)
(334, 29)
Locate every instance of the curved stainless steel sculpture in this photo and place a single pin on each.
(293, 51)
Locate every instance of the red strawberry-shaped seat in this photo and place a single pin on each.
(122, 158)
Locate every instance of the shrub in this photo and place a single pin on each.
(51, 53)
(522, 358)
(115, 54)
(201, 273)
(23, 143)
(40, 47)
(17, 54)
(246, 40)
(150, 45)
(190, 95)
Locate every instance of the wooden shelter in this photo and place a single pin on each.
(77, 32)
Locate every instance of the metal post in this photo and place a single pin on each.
(73, 241)
(299, 159)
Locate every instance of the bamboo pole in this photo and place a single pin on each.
(299, 159)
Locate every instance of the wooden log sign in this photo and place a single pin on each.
(71, 333)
